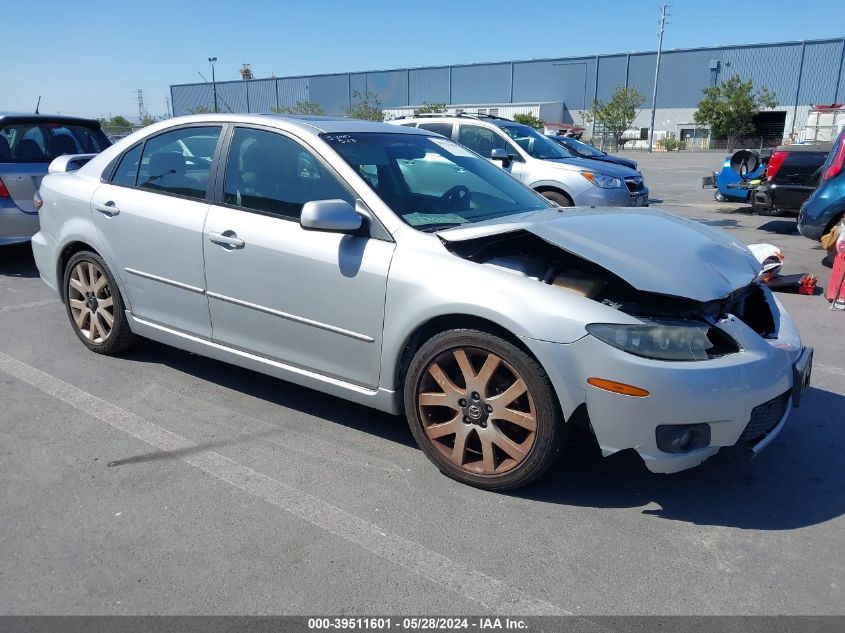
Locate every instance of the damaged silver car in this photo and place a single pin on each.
(397, 269)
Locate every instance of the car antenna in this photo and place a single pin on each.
(38, 105)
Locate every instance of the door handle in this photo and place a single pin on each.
(227, 238)
(107, 208)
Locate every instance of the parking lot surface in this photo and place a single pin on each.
(160, 482)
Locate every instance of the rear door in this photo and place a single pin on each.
(150, 218)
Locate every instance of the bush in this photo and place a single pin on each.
(671, 144)
(526, 118)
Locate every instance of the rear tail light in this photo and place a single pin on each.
(36, 199)
(775, 163)
(838, 161)
(4, 193)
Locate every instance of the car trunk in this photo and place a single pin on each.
(22, 180)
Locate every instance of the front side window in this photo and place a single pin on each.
(126, 173)
(272, 173)
(432, 182)
(534, 143)
(169, 165)
(482, 140)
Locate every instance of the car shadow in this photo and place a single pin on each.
(796, 482)
(724, 224)
(276, 391)
(781, 227)
(17, 261)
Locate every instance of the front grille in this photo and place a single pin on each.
(634, 183)
(765, 417)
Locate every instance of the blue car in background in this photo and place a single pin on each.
(820, 213)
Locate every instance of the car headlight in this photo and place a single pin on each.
(666, 340)
(602, 180)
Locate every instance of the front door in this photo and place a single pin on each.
(150, 217)
(311, 299)
(483, 141)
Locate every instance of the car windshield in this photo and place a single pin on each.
(583, 149)
(40, 141)
(431, 182)
(534, 143)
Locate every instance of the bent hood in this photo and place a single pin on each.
(652, 250)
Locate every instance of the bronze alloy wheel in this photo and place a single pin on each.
(94, 305)
(91, 302)
(477, 410)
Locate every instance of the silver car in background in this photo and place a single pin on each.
(396, 268)
(539, 162)
(28, 144)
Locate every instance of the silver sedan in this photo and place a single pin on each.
(395, 268)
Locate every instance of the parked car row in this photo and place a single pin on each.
(539, 162)
(394, 267)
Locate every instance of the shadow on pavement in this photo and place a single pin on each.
(796, 482)
(17, 261)
(277, 391)
(782, 227)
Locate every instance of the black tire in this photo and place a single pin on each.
(560, 199)
(507, 472)
(119, 336)
(719, 197)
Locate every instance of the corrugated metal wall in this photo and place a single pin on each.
(573, 81)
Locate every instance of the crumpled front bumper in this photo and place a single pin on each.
(721, 392)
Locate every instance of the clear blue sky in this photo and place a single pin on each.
(89, 58)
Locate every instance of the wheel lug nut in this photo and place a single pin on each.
(466, 419)
(489, 409)
(475, 395)
(462, 402)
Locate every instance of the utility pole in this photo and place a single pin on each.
(663, 15)
(167, 106)
(211, 61)
(142, 110)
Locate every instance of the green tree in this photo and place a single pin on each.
(729, 108)
(526, 118)
(301, 107)
(618, 114)
(366, 107)
(148, 119)
(201, 110)
(432, 108)
(115, 126)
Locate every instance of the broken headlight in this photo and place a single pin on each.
(666, 340)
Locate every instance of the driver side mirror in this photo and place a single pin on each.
(337, 216)
(502, 155)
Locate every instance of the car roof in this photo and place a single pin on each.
(6, 116)
(307, 124)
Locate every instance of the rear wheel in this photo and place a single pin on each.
(482, 410)
(559, 199)
(719, 197)
(94, 305)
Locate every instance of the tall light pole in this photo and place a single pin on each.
(211, 61)
(663, 15)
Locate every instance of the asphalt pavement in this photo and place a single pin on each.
(160, 482)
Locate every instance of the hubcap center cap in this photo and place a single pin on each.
(475, 410)
(92, 303)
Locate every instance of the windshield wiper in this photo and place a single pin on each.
(430, 228)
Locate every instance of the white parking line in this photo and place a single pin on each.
(830, 370)
(487, 591)
(25, 306)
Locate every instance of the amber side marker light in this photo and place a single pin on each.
(617, 387)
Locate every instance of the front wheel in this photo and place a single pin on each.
(719, 197)
(94, 305)
(482, 410)
(559, 199)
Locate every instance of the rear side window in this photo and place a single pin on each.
(41, 141)
(126, 173)
(178, 162)
(444, 129)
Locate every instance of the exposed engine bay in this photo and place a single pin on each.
(524, 253)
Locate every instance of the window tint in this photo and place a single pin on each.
(270, 172)
(482, 140)
(43, 140)
(127, 171)
(169, 165)
(444, 129)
